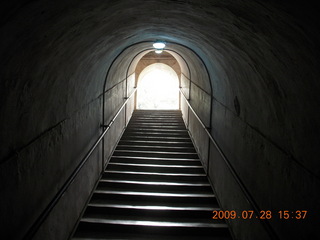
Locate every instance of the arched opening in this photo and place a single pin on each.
(194, 85)
(158, 88)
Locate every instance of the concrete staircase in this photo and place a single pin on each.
(154, 186)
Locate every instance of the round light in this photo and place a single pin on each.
(159, 45)
(158, 51)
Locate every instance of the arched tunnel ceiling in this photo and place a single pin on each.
(152, 57)
(60, 52)
(126, 63)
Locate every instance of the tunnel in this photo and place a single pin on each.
(248, 92)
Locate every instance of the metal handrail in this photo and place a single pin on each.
(245, 191)
(32, 231)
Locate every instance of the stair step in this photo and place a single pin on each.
(156, 120)
(165, 202)
(157, 138)
(153, 160)
(155, 143)
(153, 129)
(138, 130)
(145, 137)
(186, 210)
(155, 154)
(156, 169)
(155, 165)
(157, 113)
(151, 213)
(158, 183)
(157, 126)
(160, 187)
(182, 134)
(149, 229)
(156, 148)
(160, 177)
(153, 198)
(156, 194)
(156, 223)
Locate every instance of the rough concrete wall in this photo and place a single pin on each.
(185, 86)
(31, 178)
(267, 126)
(48, 120)
(131, 90)
(119, 85)
(200, 139)
(52, 77)
(195, 83)
(264, 71)
(195, 86)
(200, 100)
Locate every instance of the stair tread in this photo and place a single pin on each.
(155, 142)
(154, 152)
(157, 137)
(147, 202)
(140, 236)
(158, 194)
(155, 165)
(146, 160)
(155, 223)
(156, 148)
(156, 129)
(156, 173)
(153, 207)
(156, 183)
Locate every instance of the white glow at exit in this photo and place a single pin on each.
(158, 88)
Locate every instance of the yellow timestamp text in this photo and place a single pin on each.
(263, 214)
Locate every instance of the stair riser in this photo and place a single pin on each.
(155, 148)
(156, 123)
(155, 169)
(156, 143)
(157, 120)
(153, 188)
(154, 230)
(155, 154)
(153, 200)
(156, 131)
(161, 114)
(150, 215)
(159, 139)
(137, 160)
(160, 178)
(157, 126)
(156, 134)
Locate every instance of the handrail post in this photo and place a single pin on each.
(188, 119)
(208, 159)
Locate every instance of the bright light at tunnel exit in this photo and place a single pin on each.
(158, 88)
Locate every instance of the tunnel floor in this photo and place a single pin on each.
(154, 186)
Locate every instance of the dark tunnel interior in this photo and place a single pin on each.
(250, 70)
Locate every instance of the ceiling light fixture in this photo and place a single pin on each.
(158, 51)
(159, 45)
